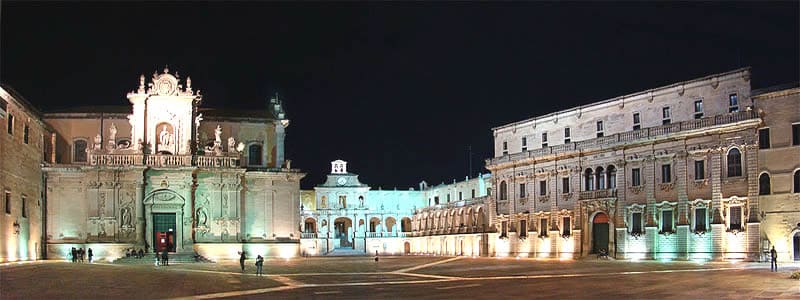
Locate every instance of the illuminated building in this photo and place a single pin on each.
(667, 173)
(161, 173)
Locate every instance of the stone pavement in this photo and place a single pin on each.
(402, 277)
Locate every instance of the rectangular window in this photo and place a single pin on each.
(565, 185)
(636, 222)
(736, 217)
(666, 173)
(733, 103)
(523, 228)
(666, 117)
(522, 190)
(699, 169)
(637, 122)
(473, 193)
(635, 177)
(698, 109)
(763, 138)
(505, 148)
(567, 136)
(795, 134)
(460, 197)
(544, 140)
(24, 207)
(448, 197)
(666, 221)
(524, 144)
(700, 219)
(436, 200)
(10, 124)
(543, 227)
(26, 134)
(567, 230)
(599, 128)
(504, 232)
(8, 202)
(542, 187)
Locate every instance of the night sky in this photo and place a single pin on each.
(399, 90)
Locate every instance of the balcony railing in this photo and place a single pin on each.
(630, 136)
(462, 203)
(598, 194)
(163, 160)
(308, 235)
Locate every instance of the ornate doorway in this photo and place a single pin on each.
(342, 227)
(164, 231)
(600, 233)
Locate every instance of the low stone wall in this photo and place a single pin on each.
(106, 252)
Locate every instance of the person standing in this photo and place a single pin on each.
(241, 260)
(74, 254)
(90, 255)
(82, 254)
(773, 266)
(165, 257)
(259, 265)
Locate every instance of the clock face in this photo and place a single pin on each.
(341, 181)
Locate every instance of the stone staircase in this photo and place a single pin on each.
(174, 258)
(345, 252)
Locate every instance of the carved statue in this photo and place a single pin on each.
(164, 138)
(231, 144)
(133, 123)
(101, 205)
(126, 217)
(218, 136)
(97, 141)
(202, 217)
(113, 131)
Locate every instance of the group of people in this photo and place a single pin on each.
(162, 259)
(133, 253)
(78, 254)
(259, 263)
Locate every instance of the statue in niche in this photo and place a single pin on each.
(125, 215)
(164, 138)
(101, 232)
(323, 203)
(113, 132)
(202, 217)
(97, 141)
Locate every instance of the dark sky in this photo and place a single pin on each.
(399, 90)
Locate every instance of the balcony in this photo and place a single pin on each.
(308, 235)
(598, 194)
(627, 137)
(462, 203)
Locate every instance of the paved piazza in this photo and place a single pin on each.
(401, 277)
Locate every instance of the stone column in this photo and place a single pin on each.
(681, 173)
(650, 187)
(716, 186)
(140, 221)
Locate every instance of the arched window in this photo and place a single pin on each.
(797, 181)
(589, 179)
(600, 182)
(734, 163)
(611, 177)
(254, 155)
(503, 191)
(763, 184)
(79, 151)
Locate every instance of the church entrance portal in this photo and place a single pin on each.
(342, 228)
(600, 233)
(164, 231)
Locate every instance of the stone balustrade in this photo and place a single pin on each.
(164, 160)
(598, 194)
(627, 137)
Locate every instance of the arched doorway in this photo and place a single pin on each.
(797, 246)
(342, 228)
(600, 233)
(406, 248)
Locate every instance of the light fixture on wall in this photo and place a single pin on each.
(16, 227)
